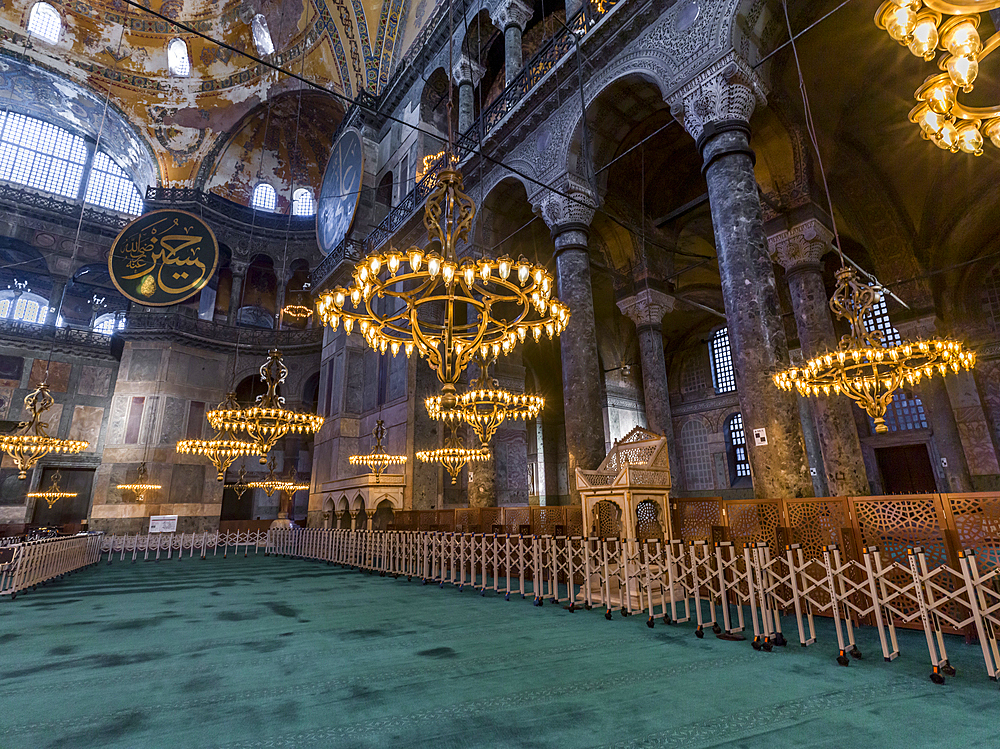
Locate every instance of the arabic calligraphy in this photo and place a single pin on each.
(339, 194)
(163, 258)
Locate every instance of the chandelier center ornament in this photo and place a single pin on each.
(926, 27)
(31, 442)
(485, 406)
(378, 459)
(864, 367)
(426, 299)
(267, 421)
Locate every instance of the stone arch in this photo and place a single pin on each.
(606, 519)
(260, 293)
(382, 517)
(509, 225)
(648, 523)
(328, 510)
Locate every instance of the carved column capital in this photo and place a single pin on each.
(572, 206)
(800, 245)
(511, 13)
(467, 70)
(726, 91)
(647, 308)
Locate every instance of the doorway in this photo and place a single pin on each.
(69, 512)
(906, 469)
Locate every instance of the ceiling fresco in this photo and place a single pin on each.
(345, 46)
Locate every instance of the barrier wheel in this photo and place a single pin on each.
(624, 612)
(507, 597)
(667, 620)
(947, 669)
(855, 653)
(779, 640)
(571, 608)
(755, 644)
(716, 629)
(461, 587)
(843, 660)
(607, 615)
(483, 594)
(699, 633)
(650, 623)
(768, 646)
(13, 596)
(937, 678)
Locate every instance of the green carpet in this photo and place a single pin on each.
(271, 652)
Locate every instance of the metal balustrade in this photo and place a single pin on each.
(37, 562)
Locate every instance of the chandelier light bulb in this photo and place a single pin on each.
(448, 271)
(947, 137)
(469, 271)
(941, 97)
(393, 263)
(960, 36)
(433, 265)
(970, 140)
(924, 39)
(992, 131)
(523, 271)
(503, 267)
(963, 72)
(899, 21)
(485, 270)
(416, 259)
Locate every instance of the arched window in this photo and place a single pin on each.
(261, 35)
(736, 448)
(44, 23)
(695, 456)
(178, 62)
(723, 374)
(693, 378)
(110, 187)
(40, 155)
(28, 308)
(108, 323)
(264, 198)
(991, 299)
(303, 203)
(878, 319)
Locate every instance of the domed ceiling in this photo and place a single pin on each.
(346, 46)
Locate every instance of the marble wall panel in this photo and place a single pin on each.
(95, 381)
(58, 378)
(13, 491)
(355, 383)
(6, 396)
(976, 441)
(86, 425)
(116, 422)
(144, 365)
(11, 369)
(187, 484)
(50, 417)
(172, 424)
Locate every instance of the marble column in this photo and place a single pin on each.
(798, 250)
(953, 466)
(646, 309)
(55, 299)
(467, 73)
(236, 290)
(512, 16)
(581, 372)
(715, 108)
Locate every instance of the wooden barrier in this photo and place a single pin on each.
(36, 562)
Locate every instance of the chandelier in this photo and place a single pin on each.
(925, 26)
(864, 368)
(32, 442)
(223, 448)
(53, 494)
(485, 406)
(296, 311)
(140, 487)
(378, 459)
(425, 299)
(267, 420)
(240, 485)
(273, 484)
(454, 455)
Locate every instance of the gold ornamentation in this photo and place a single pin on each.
(398, 298)
(141, 487)
(273, 484)
(296, 311)
(864, 368)
(223, 448)
(54, 493)
(32, 441)
(925, 26)
(454, 455)
(378, 459)
(268, 420)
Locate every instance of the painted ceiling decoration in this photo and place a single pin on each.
(346, 46)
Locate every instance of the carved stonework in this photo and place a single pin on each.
(803, 243)
(727, 90)
(511, 13)
(556, 209)
(647, 308)
(466, 69)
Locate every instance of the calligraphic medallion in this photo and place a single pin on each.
(338, 197)
(163, 258)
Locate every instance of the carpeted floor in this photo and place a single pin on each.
(266, 652)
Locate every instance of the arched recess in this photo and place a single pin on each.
(260, 291)
(382, 517)
(434, 115)
(328, 510)
(297, 296)
(484, 44)
(310, 393)
(693, 445)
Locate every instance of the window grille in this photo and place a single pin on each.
(28, 308)
(693, 376)
(44, 23)
(40, 155)
(737, 446)
(905, 412)
(110, 187)
(178, 62)
(303, 203)
(261, 35)
(878, 319)
(108, 323)
(723, 373)
(697, 460)
(264, 198)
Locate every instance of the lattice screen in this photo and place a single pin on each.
(697, 460)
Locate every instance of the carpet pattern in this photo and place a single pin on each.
(270, 652)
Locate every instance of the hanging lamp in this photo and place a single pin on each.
(32, 442)
(54, 493)
(454, 455)
(142, 486)
(223, 448)
(378, 459)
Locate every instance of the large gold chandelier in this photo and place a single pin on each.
(223, 448)
(142, 486)
(267, 421)
(54, 493)
(485, 406)
(864, 368)
(426, 299)
(454, 455)
(32, 441)
(378, 459)
(926, 26)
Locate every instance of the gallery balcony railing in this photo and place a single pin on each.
(161, 197)
(537, 67)
(22, 198)
(46, 335)
(218, 335)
